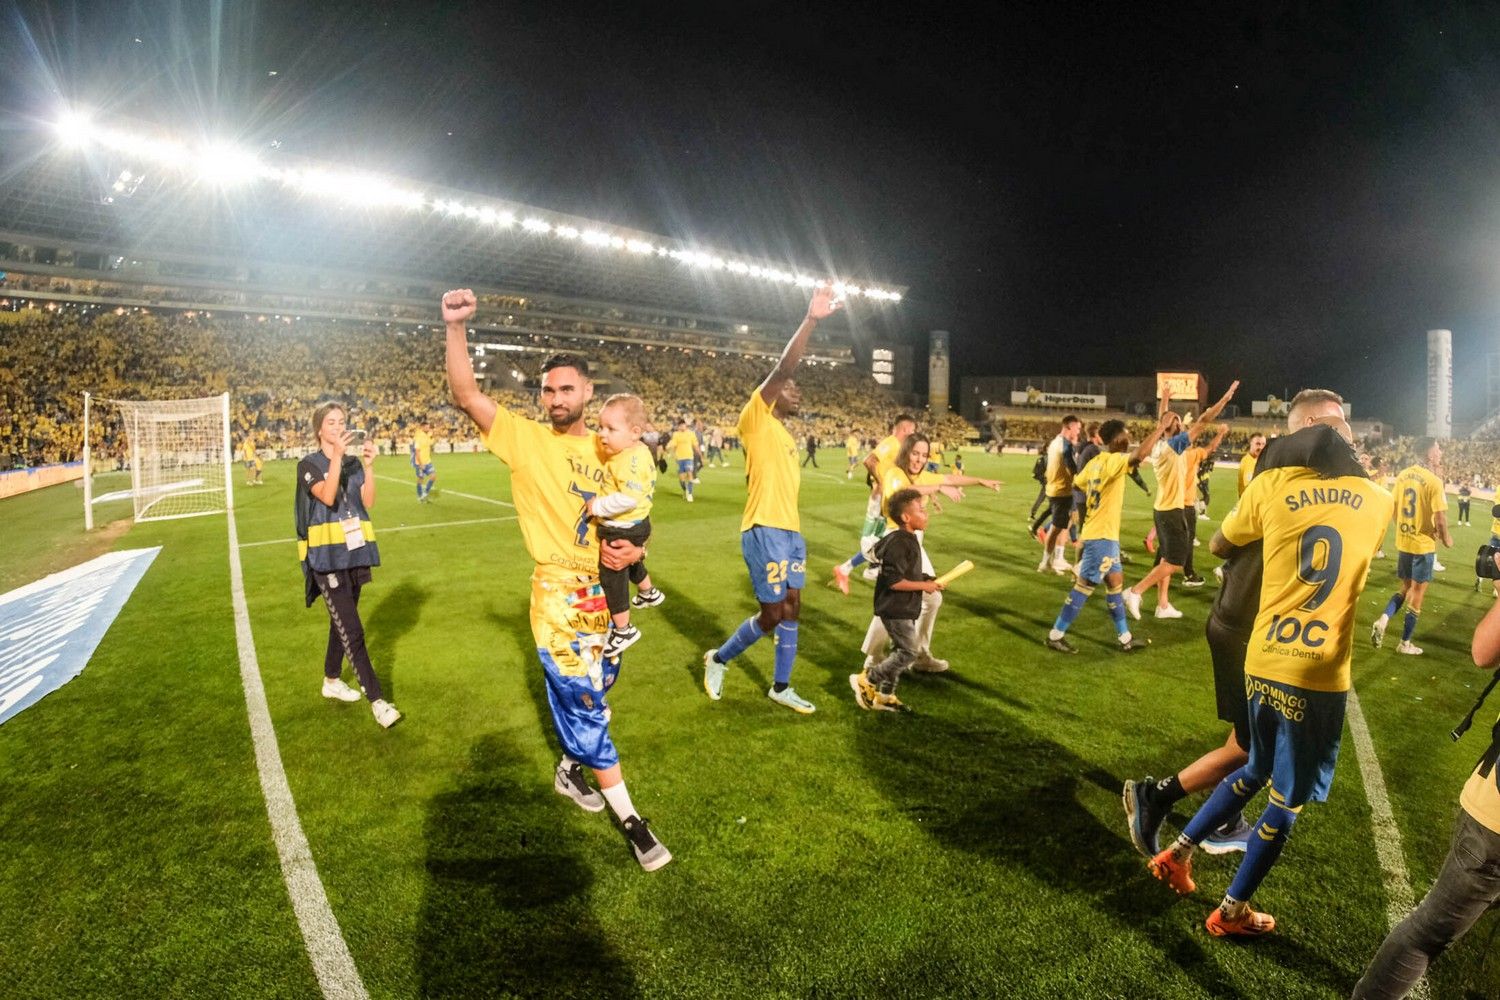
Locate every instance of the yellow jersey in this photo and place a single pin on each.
(683, 445)
(851, 446)
(895, 480)
(1103, 483)
(1419, 496)
(1166, 462)
(552, 478)
(421, 441)
(1247, 471)
(1495, 521)
(885, 456)
(1481, 799)
(1320, 536)
(1192, 461)
(631, 473)
(771, 468)
(1059, 476)
(249, 450)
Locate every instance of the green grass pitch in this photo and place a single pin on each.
(974, 848)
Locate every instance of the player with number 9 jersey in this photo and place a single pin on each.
(1320, 536)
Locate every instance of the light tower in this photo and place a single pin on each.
(1440, 383)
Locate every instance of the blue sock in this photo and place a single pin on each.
(744, 637)
(1394, 605)
(1222, 806)
(786, 651)
(1410, 625)
(1266, 841)
(419, 489)
(1070, 609)
(857, 560)
(1115, 601)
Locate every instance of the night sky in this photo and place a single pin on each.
(1268, 191)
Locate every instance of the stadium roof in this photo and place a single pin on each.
(126, 191)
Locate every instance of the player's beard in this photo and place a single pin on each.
(562, 419)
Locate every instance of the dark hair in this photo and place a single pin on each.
(900, 500)
(566, 360)
(903, 418)
(1110, 430)
(912, 440)
(1424, 445)
(1091, 428)
(1071, 419)
(323, 410)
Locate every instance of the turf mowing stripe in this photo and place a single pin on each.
(1383, 826)
(452, 493)
(399, 527)
(331, 961)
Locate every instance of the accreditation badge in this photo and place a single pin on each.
(354, 533)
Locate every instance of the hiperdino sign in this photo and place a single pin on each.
(1071, 400)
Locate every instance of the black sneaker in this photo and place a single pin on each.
(1061, 645)
(649, 851)
(569, 780)
(1142, 815)
(648, 598)
(1193, 581)
(620, 639)
(1135, 645)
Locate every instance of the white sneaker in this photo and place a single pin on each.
(689, 498)
(1219, 574)
(1168, 612)
(872, 573)
(696, 480)
(385, 713)
(1377, 631)
(1405, 646)
(1061, 567)
(334, 687)
(1132, 603)
(1380, 553)
(1196, 543)
(1438, 567)
(791, 699)
(1042, 566)
(928, 664)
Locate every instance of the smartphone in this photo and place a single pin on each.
(359, 437)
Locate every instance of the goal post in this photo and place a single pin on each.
(178, 451)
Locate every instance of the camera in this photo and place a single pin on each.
(1484, 563)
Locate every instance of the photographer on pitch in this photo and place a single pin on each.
(336, 544)
(1469, 883)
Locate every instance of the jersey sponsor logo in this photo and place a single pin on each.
(1290, 706)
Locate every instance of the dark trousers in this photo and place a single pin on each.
(1468, 885)
(616, 582)
(1463, 509)
(1190, 515)
(1041, 498)
(346, 633)
(812, 457)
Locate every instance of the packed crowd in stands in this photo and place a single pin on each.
(277, 370)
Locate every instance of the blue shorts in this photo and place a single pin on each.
(1294, 738)
(423, 471)
(570, 624)
(1417, 569)
(684, 466)
(1100, 557)
(777, 560)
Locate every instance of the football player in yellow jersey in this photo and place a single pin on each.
(1319, 535)
(876, 463)
(771, 529)
(851, 452)
(421, 461)
(555, 471)
(1174, 544)
(1193, 458)
(1421, 521)
(253, 462)
(913, 470)
(1059, 489)
(1103, 482)
(1466, 887)
(685, 451)
(1248, 460)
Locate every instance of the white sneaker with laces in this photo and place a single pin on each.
(385, 713)
(1132, 603)
(1168, 612)
(334, 687)
(1406, 646)
(791, 699)
(1438, 567)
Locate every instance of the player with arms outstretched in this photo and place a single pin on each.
(771, 530)
(555, 472)
(1320, 534)
(876, 463)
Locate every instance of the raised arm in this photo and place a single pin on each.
(1213, 412)
(1139, 455)
(458, 309)
(1213, 446)
(823, 305)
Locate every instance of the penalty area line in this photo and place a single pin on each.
(399, 527)
(451, 493)
(326, 948)
(1387, 836)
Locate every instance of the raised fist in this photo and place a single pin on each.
(458, 305)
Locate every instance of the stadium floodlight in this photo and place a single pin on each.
(567, 232)
(74, 129)
(220, 163)
(535, 225)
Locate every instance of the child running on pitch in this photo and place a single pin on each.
(623, 510)
(898, 602)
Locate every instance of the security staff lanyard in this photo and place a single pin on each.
(349, 521)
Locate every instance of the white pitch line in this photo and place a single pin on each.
(399, 527)
(1398, 892)
(331, 961)
(451, 493)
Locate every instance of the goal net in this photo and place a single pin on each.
(177, 452)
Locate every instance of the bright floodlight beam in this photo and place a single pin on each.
(73, 128)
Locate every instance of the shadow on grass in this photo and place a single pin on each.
(701, 625)
(1031, 817)
(505, 910)
(395, 615)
